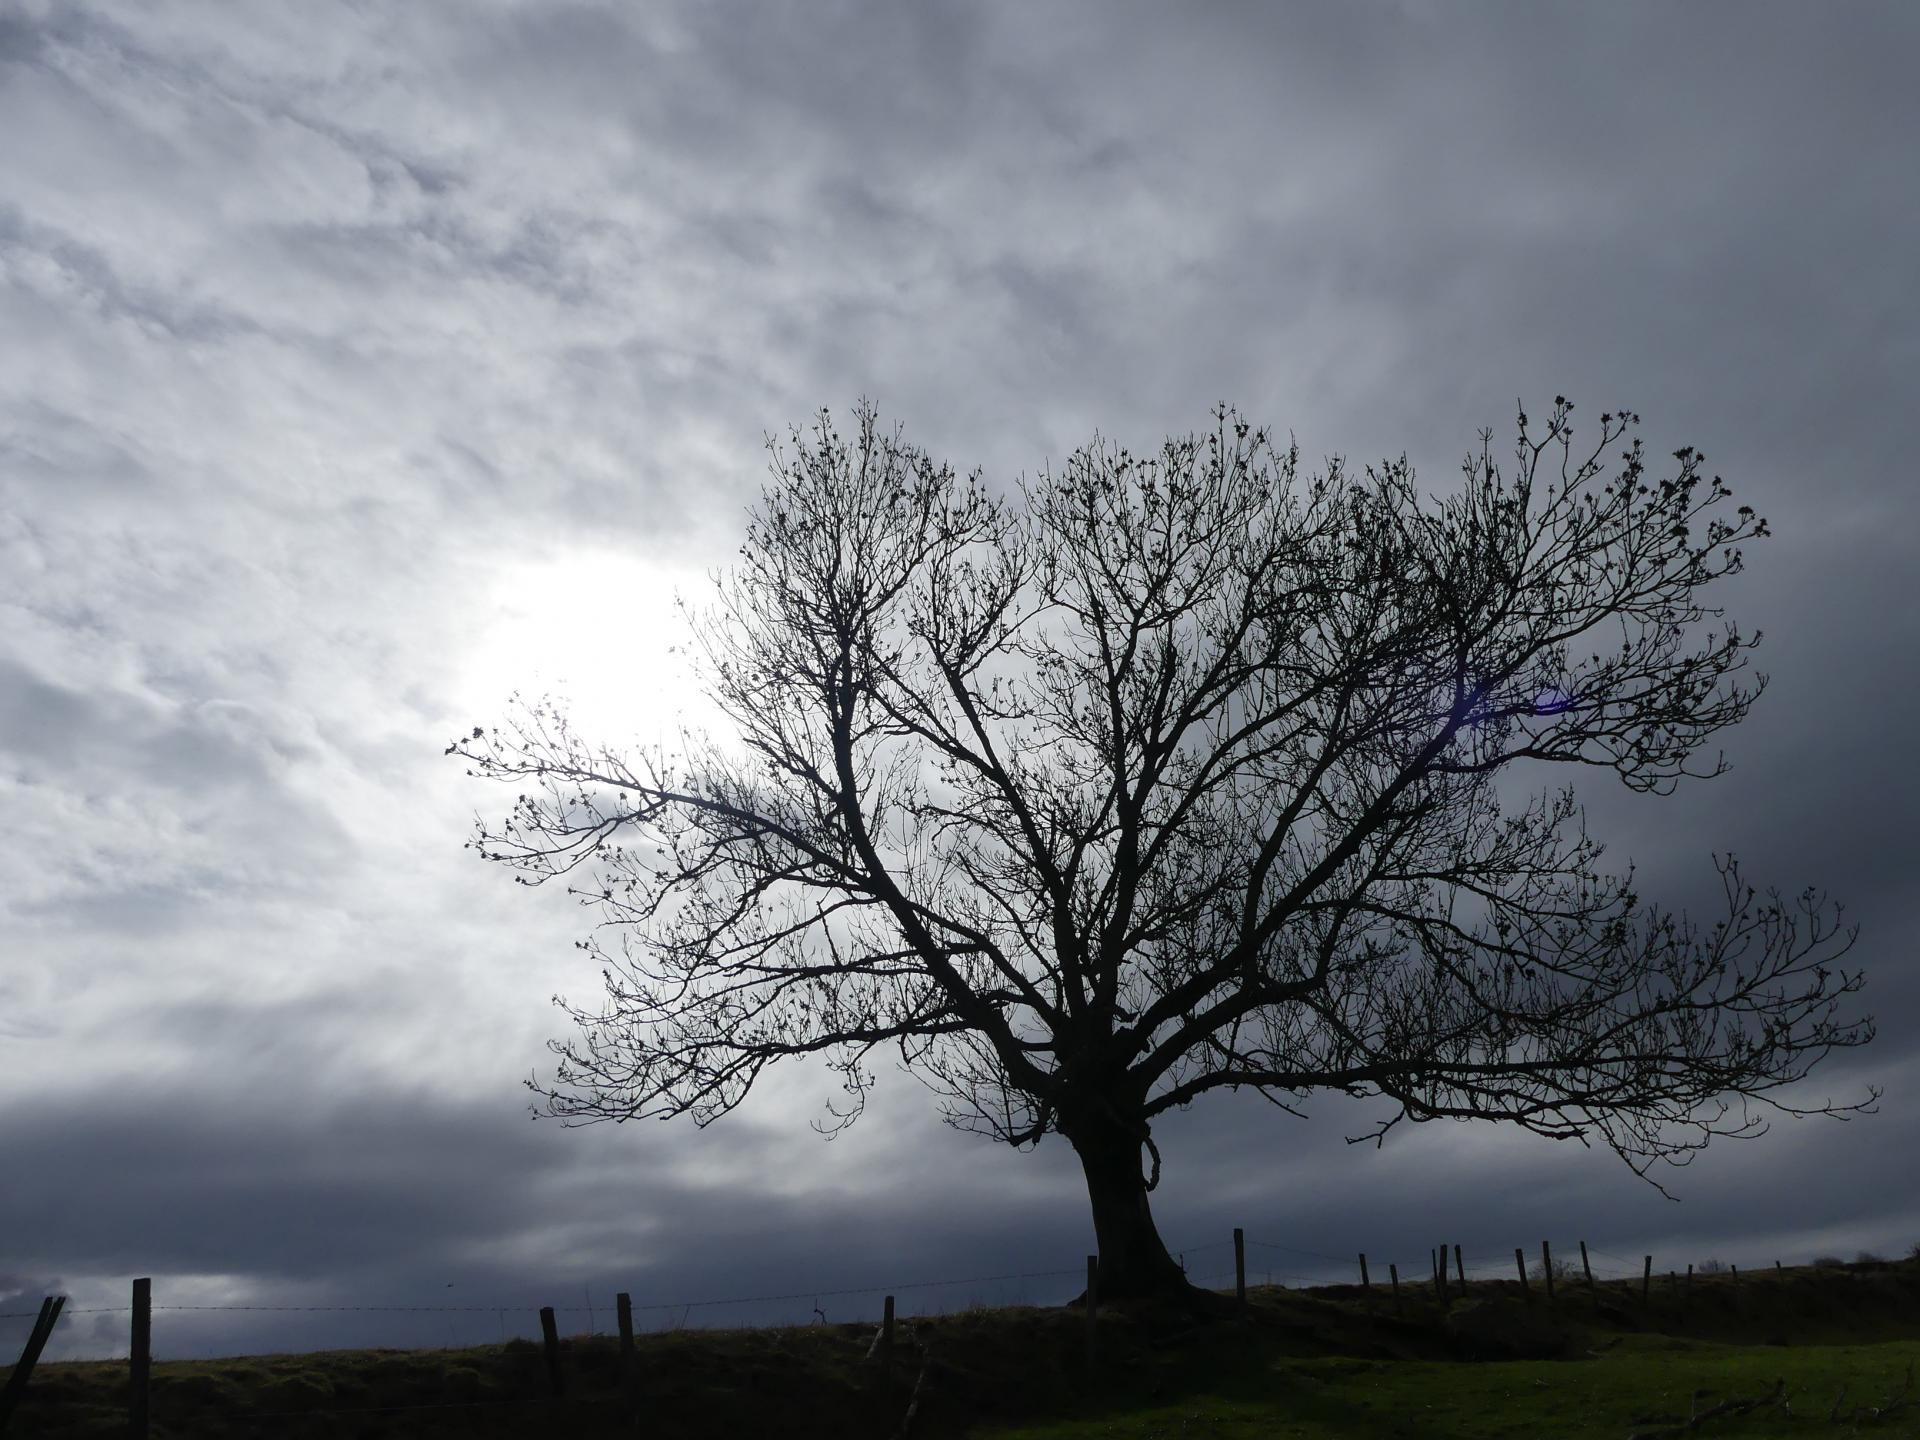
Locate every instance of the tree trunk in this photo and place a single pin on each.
(1134, 1262)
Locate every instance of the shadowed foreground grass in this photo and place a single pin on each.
(1324, 1363)
(1647, 1384)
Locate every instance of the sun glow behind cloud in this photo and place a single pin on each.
(601, 631)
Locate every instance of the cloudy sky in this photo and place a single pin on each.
(361, 363)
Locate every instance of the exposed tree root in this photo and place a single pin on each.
(1873, 1414)
(1672, 1425)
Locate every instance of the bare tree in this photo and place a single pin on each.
(1165, 775)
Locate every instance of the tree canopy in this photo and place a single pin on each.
(1172, 773)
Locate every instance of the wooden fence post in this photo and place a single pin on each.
(1365, 1283)
(550, 1338)
(140, 1359)
(1688, 1292)
(1093, 1308)
(623, 1309)
(1646, 1280)
(50, 1307)
(1460, 1269)
(1393, 1273)
(1586, 1267)
(1240, 1267)
(1546, 1268)
(1520, 1261)
(1439, 1262)
(886, 1344)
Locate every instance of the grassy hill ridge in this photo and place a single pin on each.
(1328, 1362)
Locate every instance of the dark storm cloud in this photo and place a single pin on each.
(395, 1199)
(326, 328)
(401, 1200)
(296, 1195)
(1302, 1184)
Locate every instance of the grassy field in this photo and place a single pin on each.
(1307, 1364)
(1647, 1384)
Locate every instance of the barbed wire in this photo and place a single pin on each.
(1296, 1250)
(66, 1311)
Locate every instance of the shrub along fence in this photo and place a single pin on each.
(1549, 1279)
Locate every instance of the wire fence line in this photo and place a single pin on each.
(95, 1310)
(1449, 1282)
(1476, 1266)
(824, 1294)
(889, 1287)
(1296, 1250)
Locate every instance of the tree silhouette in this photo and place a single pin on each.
(1172, 774)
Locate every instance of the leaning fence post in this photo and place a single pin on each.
(1546, 1268)
(1586, 1267)
(1393, 1273)
(140, 1359)
(1646, 1280)
(1365, 1284)
(1093, 1308)
(1520, 1260)
(623, 1308)
(1240, 1267)
(16, 1386)
(550, 1338)
(1460, 1269)
(886, 1344)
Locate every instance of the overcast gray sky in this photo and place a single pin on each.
(361, 363)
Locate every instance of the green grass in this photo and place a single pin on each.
(1326, 1363)
(1628, 1389)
